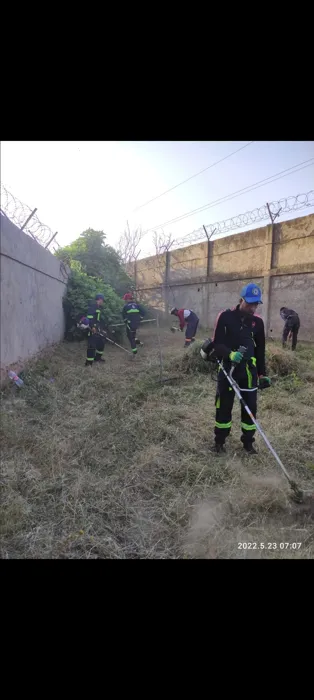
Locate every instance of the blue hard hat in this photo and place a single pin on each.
(252, 294)
(100, 296)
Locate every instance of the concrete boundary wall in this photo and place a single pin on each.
(208, 276)
(33, 283)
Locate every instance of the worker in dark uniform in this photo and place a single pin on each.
(132, 314)
(188, 318)
(291, 327)
(95, 341)
(235, 328)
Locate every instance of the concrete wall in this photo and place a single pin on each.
(208, 276)
(33, 283)
(191, 261)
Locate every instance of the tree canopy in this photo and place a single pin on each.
(95, 268)
(97, 259)
(81, 290)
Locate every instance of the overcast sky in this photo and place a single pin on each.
(77, 185)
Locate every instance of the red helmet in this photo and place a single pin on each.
(128, 297)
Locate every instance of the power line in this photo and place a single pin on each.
(191, 177)
(284, 205)
(237, 193)
(293, 203)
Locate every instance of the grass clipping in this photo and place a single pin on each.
(106, 463)
(279, 362)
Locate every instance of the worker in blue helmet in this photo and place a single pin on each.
(236, 328)
(95, 341)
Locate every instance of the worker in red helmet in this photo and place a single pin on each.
(132, 314)
(190, 319)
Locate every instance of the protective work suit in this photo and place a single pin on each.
(291, 327)
(188, 318)
(95, 341)
(132, 314)
(235, 328)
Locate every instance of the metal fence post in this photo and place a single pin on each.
(29, 218)
(51, 239)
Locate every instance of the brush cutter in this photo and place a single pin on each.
(298, 494)
(147, 320)
(104, 335)
(113, 342)
(118, 346)
(174, 329)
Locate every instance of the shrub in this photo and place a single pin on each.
(80, 291)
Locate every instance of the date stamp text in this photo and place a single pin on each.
(269, 545)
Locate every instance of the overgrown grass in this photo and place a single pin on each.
(110, 462)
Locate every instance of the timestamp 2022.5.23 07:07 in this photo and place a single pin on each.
(269, 545)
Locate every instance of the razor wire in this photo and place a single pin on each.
(26, 219)
(277, 208)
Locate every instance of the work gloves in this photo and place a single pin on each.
(236, 357)
(96, 330)
(264, 382)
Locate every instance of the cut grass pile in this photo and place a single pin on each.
(108, 462)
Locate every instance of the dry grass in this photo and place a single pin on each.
(109, 463)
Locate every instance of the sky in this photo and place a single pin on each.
(77, 185)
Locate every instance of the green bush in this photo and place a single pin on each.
(97, 259)
(81, 290)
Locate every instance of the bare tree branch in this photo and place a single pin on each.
(162, 242)
(128, 244)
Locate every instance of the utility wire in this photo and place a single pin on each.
(293, 203)
(191, 177)
(237, 193)
(284, 205)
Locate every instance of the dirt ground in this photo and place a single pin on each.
(110, 462)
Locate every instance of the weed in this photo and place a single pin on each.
(109, 463)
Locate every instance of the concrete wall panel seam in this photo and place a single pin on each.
(46, 274)
(283, 265)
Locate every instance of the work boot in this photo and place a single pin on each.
(187, 345)
(219, 449)
(99, 358)
(88, 364)
(250, 449)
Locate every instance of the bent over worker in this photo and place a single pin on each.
(132, 314)
(291, 327)
(95, 342)
(235, 328)
(188, 318)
